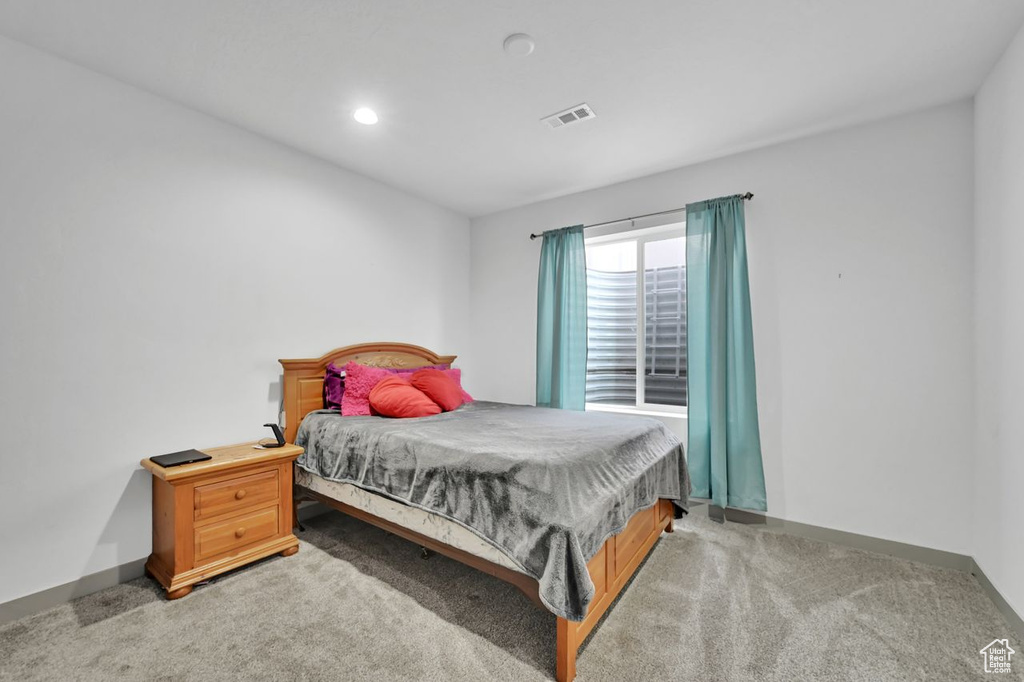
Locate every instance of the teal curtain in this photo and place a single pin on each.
(724, 448)
(562, 320)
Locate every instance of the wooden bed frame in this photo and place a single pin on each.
(610, 569)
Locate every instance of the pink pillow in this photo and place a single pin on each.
(456, 375)
(360, 380)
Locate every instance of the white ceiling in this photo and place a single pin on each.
(672, 81)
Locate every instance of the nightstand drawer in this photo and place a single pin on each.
(237, 493)
(236, 533)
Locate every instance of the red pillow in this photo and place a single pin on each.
(394, 396)
(439, 387)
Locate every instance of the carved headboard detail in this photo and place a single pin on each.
(304, 378)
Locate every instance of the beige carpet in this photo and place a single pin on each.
(712, 603)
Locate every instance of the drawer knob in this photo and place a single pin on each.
(240, 494)
(240, 532)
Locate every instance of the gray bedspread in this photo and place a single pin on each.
(546, 487)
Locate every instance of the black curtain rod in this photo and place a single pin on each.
(746, 197)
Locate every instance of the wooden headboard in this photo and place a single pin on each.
(304, 378)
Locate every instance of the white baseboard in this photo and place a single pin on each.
(55, 596)
(1011, 616)
(101, 580)
(900, 550)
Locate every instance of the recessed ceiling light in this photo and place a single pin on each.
(365, 115)
(519, 44)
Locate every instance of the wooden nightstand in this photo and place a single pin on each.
(214, 516)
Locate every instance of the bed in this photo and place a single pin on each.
(563, 505)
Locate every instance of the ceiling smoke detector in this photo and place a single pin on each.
(518, 45)
(580, 112)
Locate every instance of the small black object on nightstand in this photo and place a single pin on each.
(277, 434)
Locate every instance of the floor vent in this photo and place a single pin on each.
(580, 112)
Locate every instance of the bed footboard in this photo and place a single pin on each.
(610, 570)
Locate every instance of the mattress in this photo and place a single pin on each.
(423, 522)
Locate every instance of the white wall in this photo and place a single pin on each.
(150, 281)
(860, 267)
(133, 232)
(999, 325)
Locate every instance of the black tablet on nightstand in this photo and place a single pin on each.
(176, 458)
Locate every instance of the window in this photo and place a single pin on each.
(636, 320)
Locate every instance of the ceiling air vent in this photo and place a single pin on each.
(580, 112)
